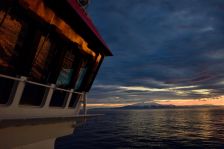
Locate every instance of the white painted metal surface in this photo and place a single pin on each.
(13, 110)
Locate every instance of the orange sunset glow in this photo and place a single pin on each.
(219, 101)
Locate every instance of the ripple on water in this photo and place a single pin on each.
(165, 128)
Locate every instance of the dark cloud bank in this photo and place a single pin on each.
(163, 49)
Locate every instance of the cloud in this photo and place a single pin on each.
(162, 49)
(206, 29)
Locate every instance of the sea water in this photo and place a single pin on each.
(155, 128)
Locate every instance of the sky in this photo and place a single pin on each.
(164, 50)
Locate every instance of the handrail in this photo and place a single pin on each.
(10, 77)
(38, 84)
(12, 107)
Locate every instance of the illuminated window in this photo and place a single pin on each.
(82, 74)
(39, 66)
(9, 32)
(67, 69)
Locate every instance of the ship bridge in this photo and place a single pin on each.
(50, 53)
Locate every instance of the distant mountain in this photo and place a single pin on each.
(153, 105)
(150, 105)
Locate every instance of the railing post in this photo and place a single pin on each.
(84, 103)
(49, 95)
(69, 98)
(18, 91)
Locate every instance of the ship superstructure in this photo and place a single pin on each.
(50, 53)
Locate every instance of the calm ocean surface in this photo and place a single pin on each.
(159, 128)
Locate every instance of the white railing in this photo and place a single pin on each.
(13, 109)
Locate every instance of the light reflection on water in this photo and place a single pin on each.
(165, 128)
